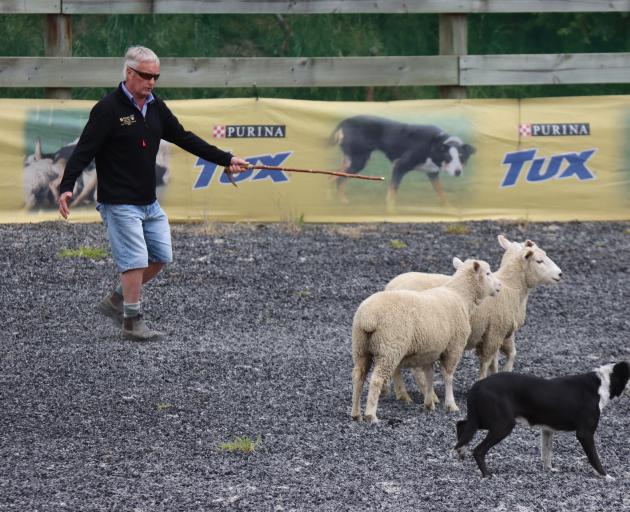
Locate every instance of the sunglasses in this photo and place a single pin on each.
(146, 76)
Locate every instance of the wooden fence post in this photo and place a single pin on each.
(58, 43)
(453, 41)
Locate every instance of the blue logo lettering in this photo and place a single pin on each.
(208, 170)
(516, 161)
(576, 167)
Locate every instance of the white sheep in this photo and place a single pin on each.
(495, 322)
(408, 328)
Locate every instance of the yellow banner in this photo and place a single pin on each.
(538, 159)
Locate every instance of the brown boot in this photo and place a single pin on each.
(112, 307)
(135, 328)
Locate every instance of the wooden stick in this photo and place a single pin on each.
(311, 171)
(315, 171)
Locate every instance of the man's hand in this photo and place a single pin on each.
(237, 165)
(64, 208)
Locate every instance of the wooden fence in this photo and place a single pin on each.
(453, 69)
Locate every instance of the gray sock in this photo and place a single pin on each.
(131, 309)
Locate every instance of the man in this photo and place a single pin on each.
(123, 134)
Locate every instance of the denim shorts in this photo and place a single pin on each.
(138, 234)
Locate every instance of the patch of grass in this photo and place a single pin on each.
(626, 231)
(93, 253)
(294, 224)
(457, 229)
(241, 445)
(163, 406)
(397, 244)
(304, 293)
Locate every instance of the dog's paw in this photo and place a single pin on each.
(460, 453)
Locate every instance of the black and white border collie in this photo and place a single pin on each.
(573, 403)
(427, 148)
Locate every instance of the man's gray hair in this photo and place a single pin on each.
(137, 54)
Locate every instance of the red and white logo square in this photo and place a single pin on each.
(218, 131)
(525, 130)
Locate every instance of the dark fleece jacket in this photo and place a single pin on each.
(125, 146)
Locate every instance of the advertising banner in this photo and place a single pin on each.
(552, 159)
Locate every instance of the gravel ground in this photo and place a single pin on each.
(257, 321)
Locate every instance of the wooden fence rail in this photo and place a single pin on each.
(307, 6)
(588, 68)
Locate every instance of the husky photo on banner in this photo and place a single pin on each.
(537, 159)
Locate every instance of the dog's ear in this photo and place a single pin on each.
(441, 138)
(469, 149)
(619, 378)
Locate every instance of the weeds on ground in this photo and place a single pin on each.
(303, 294)
(241, 445)
(293, 224)
(352, 232)
(457, 229)
(93, 253)
(521, 223)
(163, 406)
(397, 244)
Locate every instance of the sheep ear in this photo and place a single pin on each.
(528, 254)
(529, 243)
(457, 262)
(503, 242)
(476, 266)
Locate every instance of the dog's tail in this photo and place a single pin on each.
(466, 430)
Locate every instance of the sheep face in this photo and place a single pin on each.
(539, 268)
(487, 283)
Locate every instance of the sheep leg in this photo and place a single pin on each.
(487, 353)
(53, 186)
(448, 363)
(380, 373)
(428, 391)
(494, 367)
(418, 376)
(359, 373)
(509, 349)
(30, 201)
(385, 390)
(89, 185)
(399, 387)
